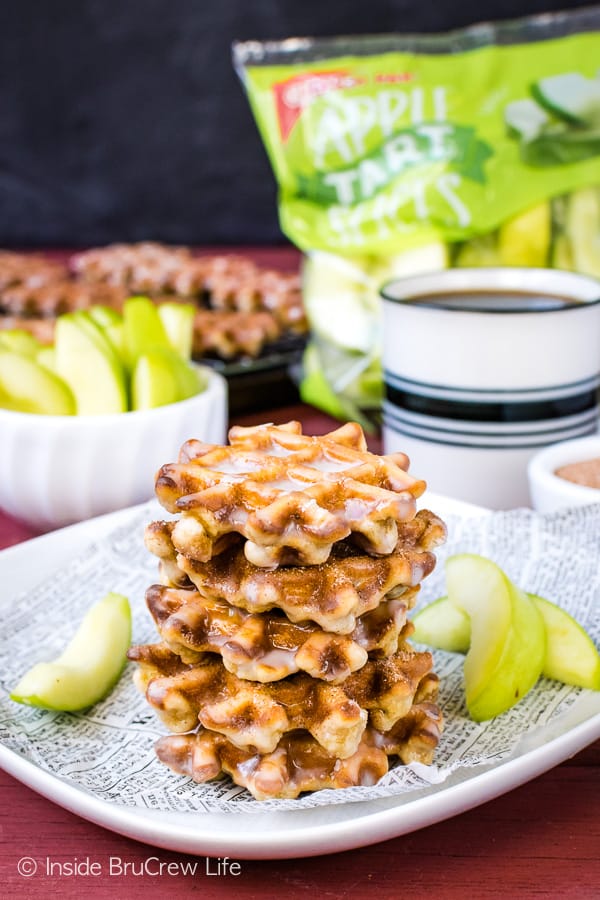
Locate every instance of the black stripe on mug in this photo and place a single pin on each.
(497, 411)
(486, 442)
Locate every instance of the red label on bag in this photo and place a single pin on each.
(296, 93)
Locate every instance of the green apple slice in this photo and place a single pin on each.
(110, 323)
(89, 365)
(142, 329)
(443, 625)
(583, 230)
(26, 386)
(427, 258)
(479, 252)
(571, 656)
(508, 639)
(178, 322)
(339, 296)
(46, 357)
(161, 376)
(90, 665)
(20, 341)
(525, 239)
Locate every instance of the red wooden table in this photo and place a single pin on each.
(540, 840)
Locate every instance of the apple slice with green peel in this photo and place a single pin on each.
(443, 625)
(571, 656)
(46, 357)
(508, 638)
(142, 329)
(90, 665)
(110, 323)
(20, 341)
(89, 365)
(26, 386)
(161, 376)
(178, 322)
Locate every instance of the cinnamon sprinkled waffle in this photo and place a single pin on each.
(227, 282)
(299, 763)
(147, 267)
(269, 647)
(58, 297)
(287, 578)
(257, 715)
(333, 594)
(290, 495)
(28, 269)
(230, 334)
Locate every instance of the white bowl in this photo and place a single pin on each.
(549, 491)
(55, 470)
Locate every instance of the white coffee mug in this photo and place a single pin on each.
(483, 367)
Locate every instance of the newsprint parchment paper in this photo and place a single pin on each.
(108, 750)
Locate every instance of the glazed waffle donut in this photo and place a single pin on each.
(299, 763)
(236, 284)
(256, 715)
(290, 495)
(147, 267)
(227, 282)
(28, 270)
(58, 297)
(269, 647)
(230, 334)
(333, 594)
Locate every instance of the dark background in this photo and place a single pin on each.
(125, 120)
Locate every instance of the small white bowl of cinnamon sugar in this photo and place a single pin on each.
(566, 474)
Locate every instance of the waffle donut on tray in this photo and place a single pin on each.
(287, 578)
(243, 309)
(29, 270)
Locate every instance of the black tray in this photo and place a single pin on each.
(263, 382)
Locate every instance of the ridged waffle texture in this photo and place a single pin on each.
(290, 495)
(257, 715)
(268, 647)
(332, 594)
(299, 763)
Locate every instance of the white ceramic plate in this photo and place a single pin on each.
(276, 835)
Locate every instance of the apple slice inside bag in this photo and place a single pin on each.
(508, 638)
(90, 665)
(571, 656)
(26, 386)
(89, 364)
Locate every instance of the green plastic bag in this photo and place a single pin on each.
(476, 147)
